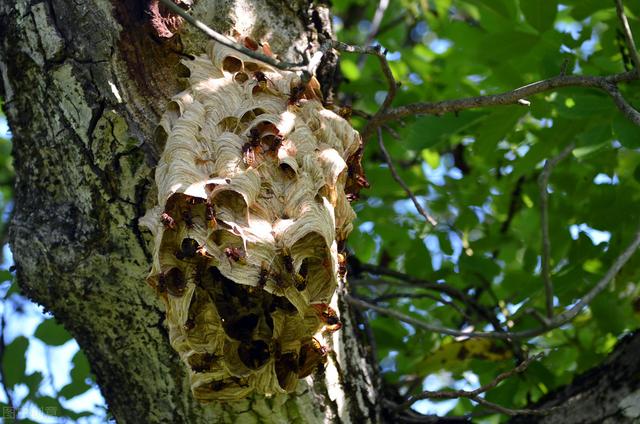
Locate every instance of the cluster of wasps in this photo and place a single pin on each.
(254, 353)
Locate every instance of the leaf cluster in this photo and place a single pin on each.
(477, 173)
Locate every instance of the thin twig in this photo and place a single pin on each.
(455, 394)
(510, 411)
(390, 296)
(507, 98)
(628, 36)
(428, 285)
(543, 183)
(624, 106)
(226, 41)
(401, 182)
(556, 322)
(417, 282)
(375, 25)
(386, 70)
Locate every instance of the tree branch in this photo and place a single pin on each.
(386, 70)
(624, 106)
(543, 182)
(556, 322)
(512, 412)
(509, 97)
(453, 292)
(375, 26)
(226, 41)
(474, 395)
(626, 30)
(401, 182)
(390, 296)
(414, 281)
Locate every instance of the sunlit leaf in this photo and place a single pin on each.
(14, 361)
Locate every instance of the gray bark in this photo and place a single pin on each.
(84, 85)
(606, 394)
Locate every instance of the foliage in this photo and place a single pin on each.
(476, 172)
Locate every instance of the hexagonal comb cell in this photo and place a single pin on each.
(254, 187)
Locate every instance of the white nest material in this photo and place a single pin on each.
(251, 211)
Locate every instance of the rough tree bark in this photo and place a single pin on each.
(84, 85)
(606, 394)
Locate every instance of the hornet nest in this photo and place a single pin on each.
(253, 208)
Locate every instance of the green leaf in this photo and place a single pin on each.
(584, 8)
(389, 333)
(429, 131)
(610, 313)
(33, 381)
(626, 132)
(636, 173)
(431, 157)
(495, 128)
(81, 369)
(540, 14)
(502, 7)
(49, 405)
(349, 69)
(14, 361)
(52, 333)
(363, 244)
(5, 275)
(584, 105)
(73, 389)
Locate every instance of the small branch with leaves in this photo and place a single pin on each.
(475, 395)
(557, 321)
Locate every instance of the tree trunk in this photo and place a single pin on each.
(85, 84)
(606, 394)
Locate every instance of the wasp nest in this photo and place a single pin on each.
(254, 187)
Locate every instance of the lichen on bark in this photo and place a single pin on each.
(252, 212)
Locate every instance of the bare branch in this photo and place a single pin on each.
(400, 181)
(626, 29)
(226, 41)
(507, 98)
(556, 322)
(543, 182)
